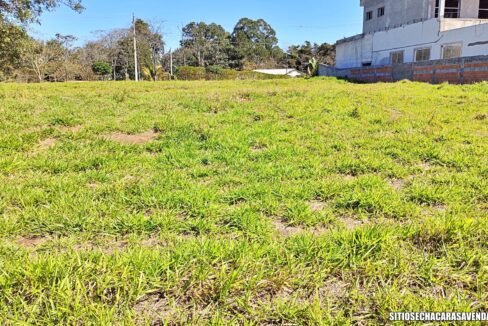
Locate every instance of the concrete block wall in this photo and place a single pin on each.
(455, 71)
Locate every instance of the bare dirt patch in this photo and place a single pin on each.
(316, 205)
(333, 289)
(349, 177)
(151, 242)
(395, 114)
(92, 185)
(35, 129)
(244, 99)
(46, 144)
(286, 230)
(153, 308)
(290, 231)
(107, 248)
(112, 247)
(135, 139)
(434, 209)
(351, 223)
(31, 242)
(397, 184)
(425, 166)
(73, 129)
(258, 148)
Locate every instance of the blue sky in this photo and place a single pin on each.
(294, 21)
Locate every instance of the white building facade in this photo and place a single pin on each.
(405, 31)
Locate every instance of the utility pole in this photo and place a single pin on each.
(136, 68)
(171, 63)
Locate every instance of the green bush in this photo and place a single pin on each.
(191, 73)
(214, 69)
(101, 68)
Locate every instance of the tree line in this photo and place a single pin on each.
(252, 44)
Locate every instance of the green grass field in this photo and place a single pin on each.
(241, 202)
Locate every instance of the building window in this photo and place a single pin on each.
(369, 15)
(483, 9)
(381, 12)
(452, 10)
(396, 57)
(422, 54)
(450, 51)
(367, 64)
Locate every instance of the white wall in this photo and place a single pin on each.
(396, 13)
(378, 46)
(355, 53)
(453, 23)
(402, 12)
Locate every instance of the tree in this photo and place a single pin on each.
(29, 10)
(256, 41)
(150, 47)
(53, 60)
(12, 38)
(108, 47)
(206, 44)
(325, 53)
(102, 68)
(299, 56)
(63, 44)
(36, 56)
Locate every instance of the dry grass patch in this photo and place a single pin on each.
(425, 166)
(349, 177)
(155, 309)
(285, 230)
(351, 223)
(31, 242)
(46, 144)
(258, 148)
(316, 205)
(397, 184)
(395, 114)
(334, 289)
(133, 139)
(72, 129)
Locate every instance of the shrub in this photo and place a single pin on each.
(101, 68)
(214, 69)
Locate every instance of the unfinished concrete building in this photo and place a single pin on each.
(397, 32)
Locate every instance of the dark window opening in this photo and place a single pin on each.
(450, 51)
(369, 15)
(367, 64)
(396, 57)
(452, 10)
(422, 54)
(381, 11)
(483, 14)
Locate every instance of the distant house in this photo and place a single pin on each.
(280, 72)
(415, 31)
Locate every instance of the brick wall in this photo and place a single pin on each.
(455, 71)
